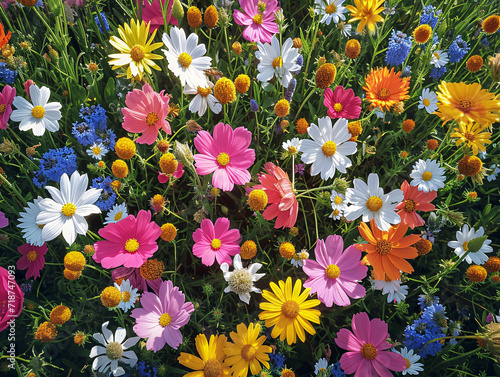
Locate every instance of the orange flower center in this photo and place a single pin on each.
(331, 8)
(369, 351)
(137, 53)
(152, 118)
(383, 94)
(427, 102)
(410, 205)
(212, 368)
(223, 159)
(165, 319)
(131, 245)
(383, 247)
(408, 363)
(427, 176)
(469, 136)
(257, 19)
(338, 107)
(329, 148)
(216, 244)
(374, 203)
(466, 245)
(204, 92)
(31, 255)
(465, 104)
(333, 271)
(290, 309)
(126, 296)
(248, 352)
(277, 62)
(185, 60)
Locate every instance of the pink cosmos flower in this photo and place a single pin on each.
(133, 275)
(216, 242)
(282, 202)
(366, 347)
(27, 86)
(258, 17)
(152, 13)
(342, 103)
(414, 200)
(33, 259)
(3, 220)
(226, 155)
(73, 3)
(335, 274)
(161, 317)
(163, 178)
(6, 97)
(146, 112)
(11, 298)
(129, 242)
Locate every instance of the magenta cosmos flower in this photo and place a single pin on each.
(6, 97)
(161, 317)
(366, 345)
(33, 259)
(129, 242)
(152, 13)
(216, 242)
(145, 113)
(258, 17)
(335, 274)
(11, 298)
(226, 155)
(342, 103)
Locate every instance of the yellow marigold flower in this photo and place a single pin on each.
(236, 47)
(352, 48)
(385, 88)
(404, 154)
(111, 297)
(301, 126)
(89, 250)
(211, 17)
(79, 338)
(212, 357)
(194, 17)
(135, 49)
(492, 264)
(163, 146)
(289, 311)
(60, 315)
(168, 163)
(224, 91)
(287, 250)
(495, 278)
(355, 129)
(366, 12)
(408, 125)
(168, 232)
(93, 67)
(101, 164)
(287, 373)
(74, 261)
(152, 269)
(423, 246)
(491, 24)
(282, 108)
(469, 166)
(474, 63)
(472, 135)
(248, 250)
(242, 83)
(46, 332)
(422, 33)
(116, 185)
(72, 275)
(125, 148)
(257, 200)
(476, 274)
(247, 352)
(119, 169)
(325, 75)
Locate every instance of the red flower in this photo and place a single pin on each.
(414, 200)
(342, 103)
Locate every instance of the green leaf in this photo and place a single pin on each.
(476, 243)
(267, 86)
(109, 91)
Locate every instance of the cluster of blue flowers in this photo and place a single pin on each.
(399, 48)
(108, 196)
(337, 370)
(458, 49)
(437, 73)
(142, 369)
(277, 360)
(430, 16)
(54, 164)
(254, 106)
(104, 20)
(93, 129)
(7, 75)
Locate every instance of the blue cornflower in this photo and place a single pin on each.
(337, 370)
(277, 359)
(427, 300)
(83, 133)
(458, 49)
(26, 287)
(436, 313)
(406, 71)
(428, 16)
(97, 117)
(7, 75)
(104, 20)
(254, 106)
(398, 49)
(436, 73)
(485, 42)
(290, 90)
(300, 61)
(108, 196)
(54, 164)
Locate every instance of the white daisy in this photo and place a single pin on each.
(117, 213)
(393, 289)
(369, 201)
(241, 279)
(32, 232)
(276, 61)
(114, 350)
(330, 10)
(427, 175)
(428, 101)
(339, 204)
(129, 295)
(38, 116)
(411, 358)
(439, 58)
(66, 210)
(98, 151)
(203, 98)
(321, 366)
(461, 245)
(292, 146)
(186, 57)
(345, 29)
(299, 258)
(328, 150)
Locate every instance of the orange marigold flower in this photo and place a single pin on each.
(491, 24)
(492, 264)
(408, 125)
(476, 274)
(60, 315)
(404, 154)
(302, 126)
(384, 88)
(469, 166)
(236, 48)
(46, 332)
(495, 278)
(432, 144)
(248, 249)
(282, 108)
(423, 247)
(352, 48)
(194, 17)
(242, 83)
(211, 16)
(422, 33)
(325, 75)
(287, 250)
(474, 63)
(119, 169)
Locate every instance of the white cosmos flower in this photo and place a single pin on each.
(330, 10)
(203, 98)
(321, 366)
(411, 358)
(129, 295)
(328, 150)
(241, 279)
(428, 101)
(117, 213)
(186, 57)
(32, 233)
(427, 175)
(339, 205)
(393, 289)
(439, 58)
(66, 210)
(276, 61)
(113, 350)
(461, 245)
(369, 201)
(292, 146)
(39, 115)
(97, 150)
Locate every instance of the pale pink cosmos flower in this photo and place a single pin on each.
(335, 274)
(258, 17)
(145, 113)
(152, 13)
(216, 242)
(366, 345)
(32, 259)
(129, 242)
(161, 317)
(226, 155)
(6, 97)
(342, 103)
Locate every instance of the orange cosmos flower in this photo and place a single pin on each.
(386, 88)
(388, 251)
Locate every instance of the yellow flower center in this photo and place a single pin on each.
(137, 53)
(216, 244)
(292, 149)
(410, 205)
(223, 159)
(436, 55)
(338, 107)
(165, 319)
(469, 136)
(427, 176)
(204, 91)
(333, 271)
(3, 107)
(248, 352)
(185, 60)
(383, 94)
(337, 200)
(152, 118)
(465, 104)
(257, 19)
(329, 148)
(212, 368)
(369, 351)
(38, 112)
(277, 62)
(290, 309)
(331, 8)
(126, 296)
(408, 363)
(40, 225)
(426, 102)
(335, 213)
(383, 247)
(96, 151)
(131, 245)
(118, 216)
(68, 209)
(466, 245)
(374, 203)
(31, 255)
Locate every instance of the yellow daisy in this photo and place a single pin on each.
(472, 135)
(288, 311)
(247, 351)
(135, 49)
(212, 357)
(366, 13)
